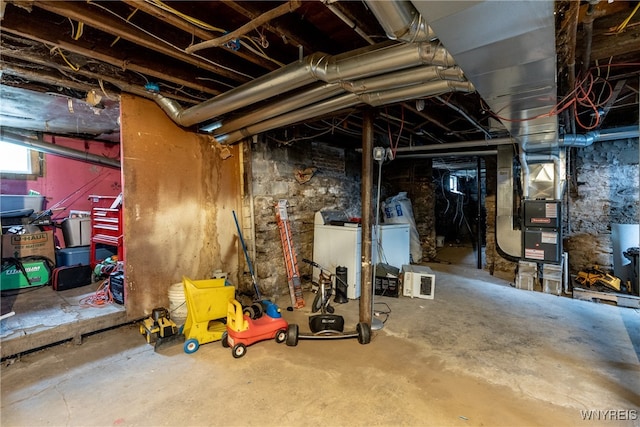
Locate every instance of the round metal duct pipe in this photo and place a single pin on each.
(400, 20)
(372, 61)
(45, 147)
(584, 140)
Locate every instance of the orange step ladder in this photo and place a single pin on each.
(290, 258)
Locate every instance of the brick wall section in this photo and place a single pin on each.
(335, 185)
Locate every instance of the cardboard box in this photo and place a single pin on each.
(31, 244)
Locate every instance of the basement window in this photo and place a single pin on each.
(19, 162)
(453, 184)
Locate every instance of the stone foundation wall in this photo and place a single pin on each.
(415, 178)
(603, 191)
(311, 177)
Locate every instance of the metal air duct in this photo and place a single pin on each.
(379, 59)
(448, 154)
(412, 76)
(454, 145)
(401, 21)
(528, 182)
(508, 240)
(347, 100)
(407, 77)
(512, 62)
(274, 109)
(589, 138)
(45, 147)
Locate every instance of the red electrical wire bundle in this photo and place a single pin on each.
(583, 94)
(100, 298)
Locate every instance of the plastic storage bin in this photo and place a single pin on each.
(527, 275)
(11, 202)
(552, 279)
(76, 231)
(79, 255)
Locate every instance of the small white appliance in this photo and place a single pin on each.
(418, 282)
(337, 242)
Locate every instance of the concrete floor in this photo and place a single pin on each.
(44, 316)
(480, 353)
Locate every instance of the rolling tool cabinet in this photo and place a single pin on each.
(106, 229)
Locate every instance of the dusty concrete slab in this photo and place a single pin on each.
(480, 353)
(44, 316)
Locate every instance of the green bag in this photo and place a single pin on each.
(24, 273)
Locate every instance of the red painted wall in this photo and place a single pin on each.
(68, 183)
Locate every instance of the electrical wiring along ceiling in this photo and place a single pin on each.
(579, 72)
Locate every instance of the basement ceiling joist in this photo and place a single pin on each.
(109, 46)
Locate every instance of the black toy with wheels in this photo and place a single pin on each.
(326, 325)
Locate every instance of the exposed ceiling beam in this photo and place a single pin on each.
(283, 9)
(606, 42)
(612, 99)
(43, 77)
(275, 29)
(79, 12)
(46, 77)
(27, 29)
(189, 28)
(428, 118)
(466, 115)
(618, 45)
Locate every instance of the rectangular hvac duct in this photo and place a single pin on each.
(507, 50)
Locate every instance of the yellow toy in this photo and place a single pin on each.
(159, 329)
(596, 276)
(207, 304)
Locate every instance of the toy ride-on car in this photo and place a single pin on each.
(243, 330)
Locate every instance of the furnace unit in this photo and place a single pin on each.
(542, 235)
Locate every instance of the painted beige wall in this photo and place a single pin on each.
(180, 189)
